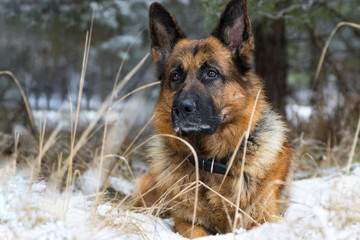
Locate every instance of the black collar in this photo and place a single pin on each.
(210, 165)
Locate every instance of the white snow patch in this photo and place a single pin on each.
(119, 42)
(296, 113)
(121, 185)
(321, 208)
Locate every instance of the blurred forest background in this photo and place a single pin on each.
(42, 43)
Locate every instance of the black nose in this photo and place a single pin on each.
(184, 106)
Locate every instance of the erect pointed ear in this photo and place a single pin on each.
(234, 30)
(164, 32)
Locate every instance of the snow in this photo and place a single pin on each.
(119, 42)
(321, 208)
(39, 213)
(63, 116)
(121, 184)
(295, 112)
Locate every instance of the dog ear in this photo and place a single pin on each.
(164, 32)
(234, 30)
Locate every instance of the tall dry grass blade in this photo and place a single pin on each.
(351, 156)
(27, 105)
(49, 142)
(41, 143)
(82, 79)
(83, 138)
(77, 113)
(322, 57)
(81, 88)
(16, 150)
(102, 158)
(36, 165)
(241, 180)
(72, 125)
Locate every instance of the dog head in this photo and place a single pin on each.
(204, 81)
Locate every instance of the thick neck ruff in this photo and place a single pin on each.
(218, 166)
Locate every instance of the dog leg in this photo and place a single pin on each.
(184, 228)
(146, 195)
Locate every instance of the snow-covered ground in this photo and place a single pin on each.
(322, 208)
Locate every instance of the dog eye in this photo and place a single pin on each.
(175, 77)
(211, 74)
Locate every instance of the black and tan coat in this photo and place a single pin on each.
(209, 97)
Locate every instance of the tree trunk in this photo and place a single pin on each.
(271, 59)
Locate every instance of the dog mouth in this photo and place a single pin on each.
(188, 128)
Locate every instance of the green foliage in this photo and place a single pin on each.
(43, 35)
(302, 18)
(211, 11)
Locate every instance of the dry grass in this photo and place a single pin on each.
(62, 157)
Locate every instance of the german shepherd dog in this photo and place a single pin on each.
(211, 99)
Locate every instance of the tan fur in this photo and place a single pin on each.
(184, 228)
(147, 191)
(267, 169)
